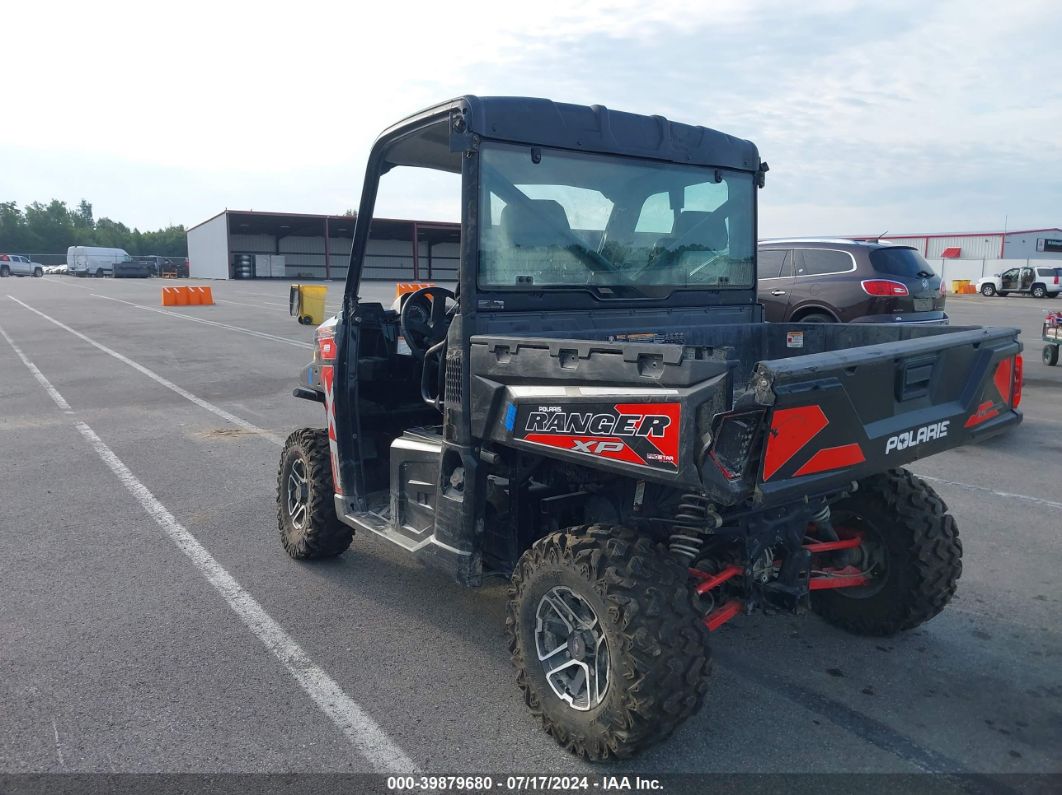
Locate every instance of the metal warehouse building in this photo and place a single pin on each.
(1020, 244)
(295, 245)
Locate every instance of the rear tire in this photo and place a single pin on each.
(650, 643)
(917, 543)
(5, 271)
(1050, 355)
(816, 317)
(306, 510)
(99, 273)
(988, 290)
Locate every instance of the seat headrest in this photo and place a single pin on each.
(694, 227)
(537, 222)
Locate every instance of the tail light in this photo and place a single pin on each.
(324, 344)
(884, 287)
(734, 442)
(1019, 371)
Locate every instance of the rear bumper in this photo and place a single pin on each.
(907, 318)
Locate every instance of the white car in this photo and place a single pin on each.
(1039, 281)
(18, 265)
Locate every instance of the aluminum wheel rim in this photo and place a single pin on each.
(571, 647)
(298, 497)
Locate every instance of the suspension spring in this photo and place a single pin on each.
(694, 519)
(685, 546)
(696, 509)
(823, 521)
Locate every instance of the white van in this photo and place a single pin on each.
(94, 260)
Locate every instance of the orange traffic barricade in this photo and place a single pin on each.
(187, 296)
(401, 288)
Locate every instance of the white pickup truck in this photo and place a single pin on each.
(18, 265)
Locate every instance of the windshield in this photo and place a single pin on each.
(618, 226)
(900, 262)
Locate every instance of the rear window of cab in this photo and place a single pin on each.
(900, 261)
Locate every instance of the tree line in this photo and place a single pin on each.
(49, 229)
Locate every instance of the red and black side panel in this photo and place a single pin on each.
(790, 440)
(644, 434)
(813, 434)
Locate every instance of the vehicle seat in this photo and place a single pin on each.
(535, 237)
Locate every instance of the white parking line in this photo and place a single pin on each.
(275, 307)
(1002, 494)
(58, 746)
(65, 283)
(240, 329)
(358, 726)
(225, 415)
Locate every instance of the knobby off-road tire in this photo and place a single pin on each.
(312, 529)
(922, 554)
(657, 643)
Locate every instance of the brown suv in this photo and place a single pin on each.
(847, 281)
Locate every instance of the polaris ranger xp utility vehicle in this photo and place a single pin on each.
(599, 412)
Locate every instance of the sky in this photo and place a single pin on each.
(898, 116)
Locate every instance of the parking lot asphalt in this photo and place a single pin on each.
(123, 648)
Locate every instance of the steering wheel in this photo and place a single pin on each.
(424, 321)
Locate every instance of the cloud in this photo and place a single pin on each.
(901, 114)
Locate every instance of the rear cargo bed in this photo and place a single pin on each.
(818, 403)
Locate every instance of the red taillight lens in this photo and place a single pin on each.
(1019, 368)
(884, 287)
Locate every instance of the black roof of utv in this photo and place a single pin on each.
(543, 122)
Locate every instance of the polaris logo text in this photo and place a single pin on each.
(597, 424)
(927, 433)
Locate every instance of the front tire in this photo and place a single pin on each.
(628, 656)
(38, 272)
(1039, 291)
(988, 290)
(911, 548)
(306, 511)
(99, 273)
(1050, 355)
